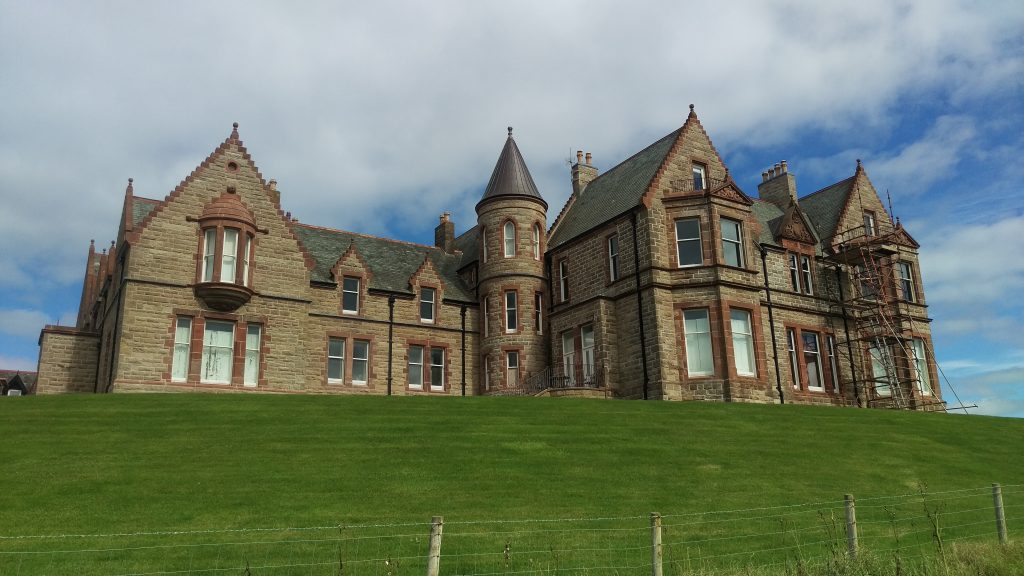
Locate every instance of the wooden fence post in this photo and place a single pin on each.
(851, 525)
(656, 552)
(997, 499)
(434, 557)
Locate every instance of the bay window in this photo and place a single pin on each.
(697, 334)
(688, 246)
(732, 242)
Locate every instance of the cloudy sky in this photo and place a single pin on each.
(377, 116)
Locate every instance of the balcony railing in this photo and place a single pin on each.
(580, 375)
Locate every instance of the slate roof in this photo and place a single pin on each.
(825, 206)
(391, 262)
(141, 207)
(770, 216)
(614, 192)
(511, 177)
(469, 245)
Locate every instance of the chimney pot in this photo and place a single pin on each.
(771, 173)
(579, 156)
(444, 234)
(588, 158)
(764, 176)
(784, 167)
(273, 184)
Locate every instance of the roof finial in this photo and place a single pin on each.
(691, 107)
(858, 163)
(234, 129)
(509, 131)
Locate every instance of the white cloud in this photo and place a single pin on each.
(22, 363)
(977, 265)
(28, 323)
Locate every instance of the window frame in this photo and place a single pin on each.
(870, 223)
(252, 382)
(507, 241)
(905, 273)
(563, 279)
(569, 357)
(734, 245)
(536, 241)
(185, 346)
(588, 353)
(203, 373)
(415, 367)
(920, 359)
(876, 358)
(509, 355)
(794, 362)
(209, 260)
(794, 270)
(434, 386)
(356, 342)
(538, 313)
(679, 242)
(748, 340)
(432, 302)
(486, 315)
(511, 315)
(698, 170)
(613, 257)
(356, 293)
(340, 359)
(483, 244)
(833, 365)
(700, 338)
(815, 356)
(807, 274)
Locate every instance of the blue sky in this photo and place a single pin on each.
(376, 117)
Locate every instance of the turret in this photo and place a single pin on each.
(512, 218)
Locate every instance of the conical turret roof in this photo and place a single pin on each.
(511, 177)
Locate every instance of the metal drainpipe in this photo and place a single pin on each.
(846, 328)
(463, 312)
(639, 304)
(391, 331)
(115, 344)
(771, 322)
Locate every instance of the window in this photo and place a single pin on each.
(568, 358)
(416, 367)
(699, 177)
(227, 258)
(182, 348)
(483, 243)
(251, 374)
(360, 361)
(437, 368)
(335, 360)
(538, 312)
(794, 272)
(587, 348)
(350, 295)
(906, 274)
(209, 253)
(512, 368)
(805, 271)
(511, 312)
(794, 365)
(697, 331)
(536, 241)
(812, 360)
(924, 380)
(218, 338)
(487, 322)
(427, 304)
(742, 342)
(732, 242)
(832, 365)
(487, 373)
(688, 248)
(879, 372)
(245, 260)
(869, 223)
(865, 282)
(509, 239)
(613, 257)
(563, 280)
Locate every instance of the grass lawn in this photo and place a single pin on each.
(118, 464)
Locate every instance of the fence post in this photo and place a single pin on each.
(434, 557)
(656, 552)
(851, 525)
(997, 499)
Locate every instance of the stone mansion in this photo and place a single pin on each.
(659, 279)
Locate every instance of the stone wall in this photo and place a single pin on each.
(67, 360)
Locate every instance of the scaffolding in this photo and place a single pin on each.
(875, 324)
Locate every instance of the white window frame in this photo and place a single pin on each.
(213, 352)
(700, 171)
(487, 313)
(432, 301)
(483, 243)
(613, 257)
(245, 259)
(538, 315)
(879, 376)
(695, 338)
(569, 357)
(416, 368)
(346, 290)
(511, 371)
(794, 363)
(870, 228)
(339, 359)
(806, 273)
(182, 350)
(434, 385)
(487, 372)
(731, 245)
(832, 364)
(794, 271)
(815, 356)
(511, 311)
(508, 240)
(587, 352)
(536, 241)
(924, 378)
(251, 372)
(365, 360)
(745, 339)
(906, 274)
(563, 280)
(209, 253)
(229, 258)
(680, 241)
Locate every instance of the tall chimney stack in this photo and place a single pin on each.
(778, 185)
(583, 172)
(444, 234)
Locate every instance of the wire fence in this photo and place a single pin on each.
(916, 524)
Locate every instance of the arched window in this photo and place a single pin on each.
(536, 241)
(510, 239)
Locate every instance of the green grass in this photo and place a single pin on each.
(116, 464)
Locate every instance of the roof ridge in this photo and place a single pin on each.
(363, 235)
(641, 151)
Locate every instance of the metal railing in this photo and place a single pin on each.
(580, 375)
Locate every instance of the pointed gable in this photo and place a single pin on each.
(825, 207)
(795, 226)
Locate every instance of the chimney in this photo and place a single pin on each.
(778, 185)
(444, 234)
(583, 172)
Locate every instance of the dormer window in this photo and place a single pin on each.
(699, 176)
(222, 250)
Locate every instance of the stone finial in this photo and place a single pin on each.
(231, 189)
(691, 107)
(509, 131)
(859, 167)
(234, 130)
(272, 184)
